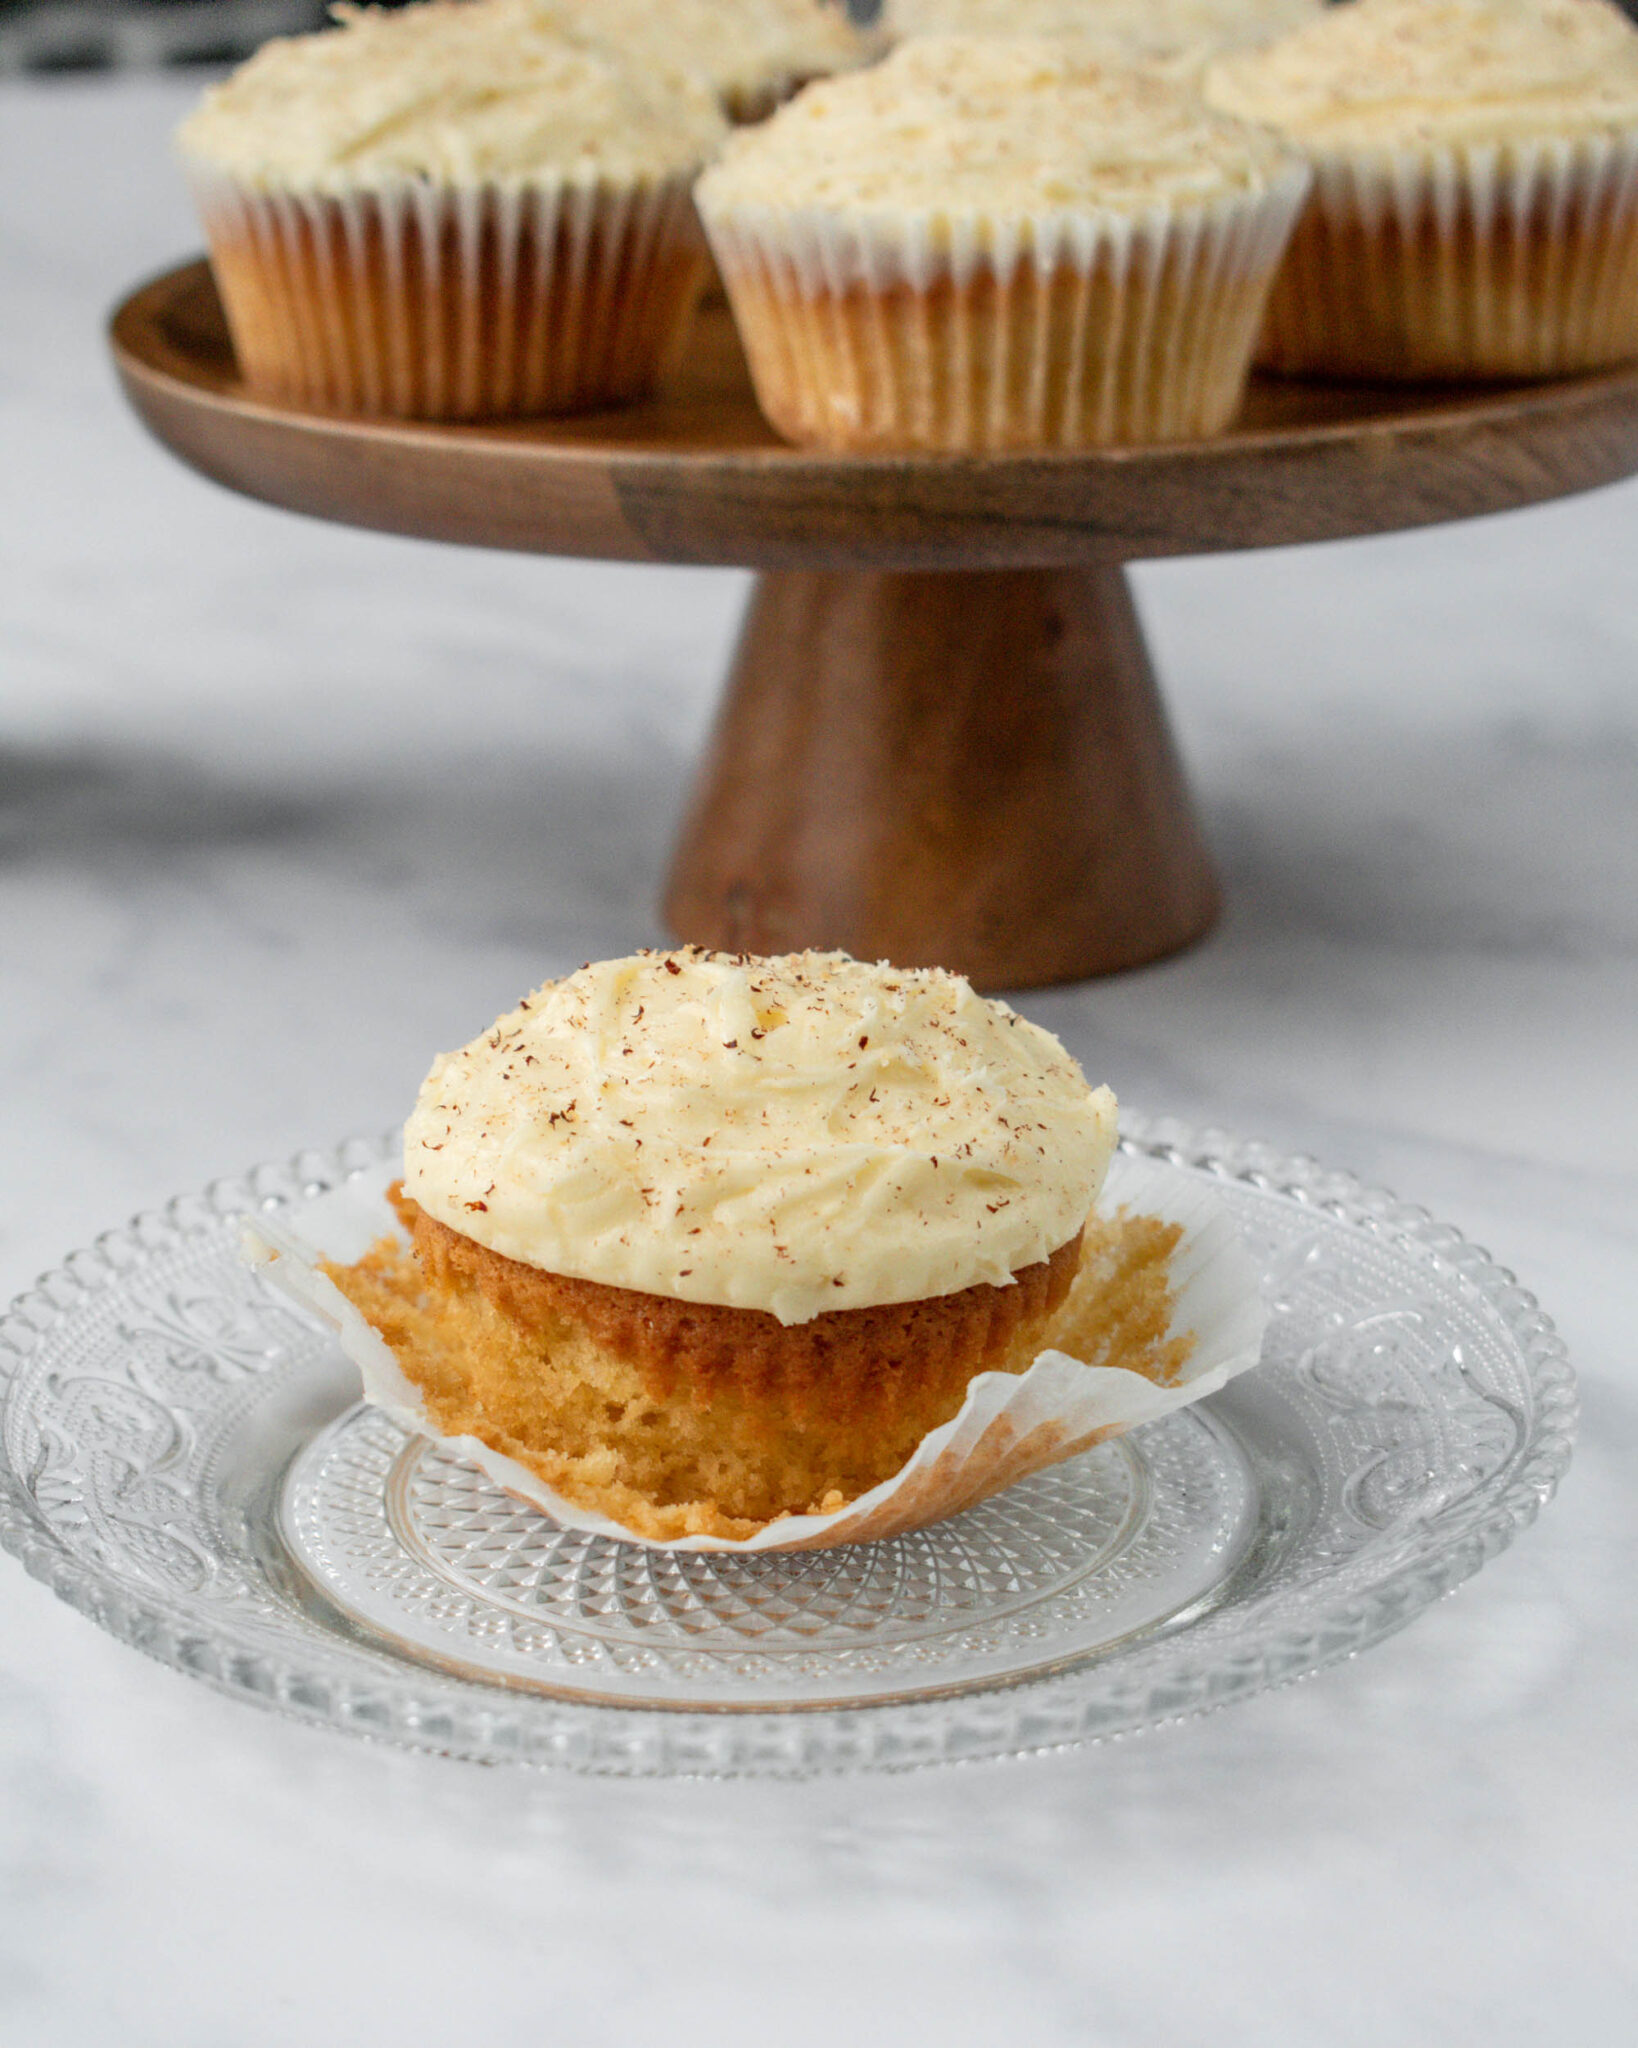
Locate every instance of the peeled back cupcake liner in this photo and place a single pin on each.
(425, 302)
(940, 333)
(1515, 259)
(1009, 1425)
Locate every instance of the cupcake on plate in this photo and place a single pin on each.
(1146, 28)
(703, 1241)
(751, 53)
(1475, 201)
(999, 244)
(448, 212)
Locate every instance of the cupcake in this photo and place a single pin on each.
(447, 212)
(751, 53)
(998, 244)
(1475, 202)
(704, 1241)
(1148, 28)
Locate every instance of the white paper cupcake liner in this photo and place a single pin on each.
(955, 333)
(1011, 1424)
(1462, 262)
(423, 302)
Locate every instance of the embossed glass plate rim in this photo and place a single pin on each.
(336, 1680)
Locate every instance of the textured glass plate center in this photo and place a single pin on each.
(426, 1551)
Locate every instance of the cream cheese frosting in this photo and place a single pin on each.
(1160, 28)
(953, 125)
(1395, 72)
(463, 92)
(800, 1134)
(740, 48)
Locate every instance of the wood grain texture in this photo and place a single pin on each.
(698, 476)
(968, 771)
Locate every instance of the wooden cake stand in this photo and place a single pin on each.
(941, 741)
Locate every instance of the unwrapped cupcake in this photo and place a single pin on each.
(716, 1249)
(1475, 201)
(999, 244)
(449, 212)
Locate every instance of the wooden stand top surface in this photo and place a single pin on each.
(697, 475)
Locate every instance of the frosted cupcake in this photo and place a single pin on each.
(1475, 202)
(447, 212)
(998, 244)
(704, 1241)
(1144, 28)
(751, 53)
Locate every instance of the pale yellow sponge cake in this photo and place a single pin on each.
(999, 243)
(1475, 204)
(702, 1240)
(750, 53)
(449, 211)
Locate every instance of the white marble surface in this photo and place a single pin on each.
(283, 807)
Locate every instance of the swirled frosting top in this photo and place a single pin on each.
(994, 127)
(798, 1134)
(1159, 28)
(1397, 72)
(465, 92)
(740, 48)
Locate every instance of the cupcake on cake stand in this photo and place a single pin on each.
(942, 741)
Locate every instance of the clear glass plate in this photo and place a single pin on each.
(184, 1460)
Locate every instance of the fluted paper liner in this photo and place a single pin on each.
(954, 333)
(1011, 1424)
(1480, 260)
(421, 302)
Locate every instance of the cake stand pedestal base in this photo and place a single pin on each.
(930, 752)
(969, 769)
